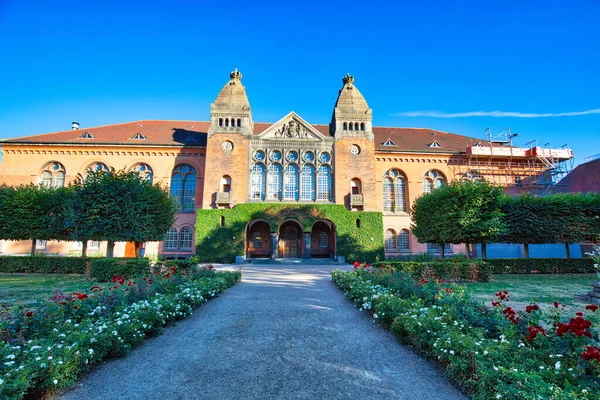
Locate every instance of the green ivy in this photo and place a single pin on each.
(357, 242)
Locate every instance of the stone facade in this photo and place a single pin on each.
(232, 160)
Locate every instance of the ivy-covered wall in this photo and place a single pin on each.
(216, 243)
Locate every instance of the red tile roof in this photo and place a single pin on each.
(194, 133)
(583, 179)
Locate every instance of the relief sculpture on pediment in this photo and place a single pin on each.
(291, 130)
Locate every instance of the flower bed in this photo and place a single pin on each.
(490, 352)
(47, 347)
(450, 269)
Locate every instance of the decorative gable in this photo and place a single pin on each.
(434, 144)
(292, 127)
(388, 143)
(139, 136)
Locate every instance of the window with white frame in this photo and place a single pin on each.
(97, 167)
(185, 238)
(257, 182)
(41, 244)
(52, 175)
(183, 187)
(394, 191)
(435, 248)
(171, 240)
(308, 183)
(324, 183)
(391, 241)
(93, 245)
(291, 182)
(404, 240)
(433, 180)
(274, 178)
(144, 171)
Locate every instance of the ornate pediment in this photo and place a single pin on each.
(292, 127)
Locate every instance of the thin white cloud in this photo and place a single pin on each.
(496, 114)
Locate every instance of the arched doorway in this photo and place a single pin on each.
(322, 243)
(258, 239)
(290, 240)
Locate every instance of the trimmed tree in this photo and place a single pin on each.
(120, 206)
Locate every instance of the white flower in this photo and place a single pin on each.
(485, 353)
(375, 315)
(91, 351)
(498, 396)
(9, 363)
(11, 356)
(55, 382)
(1, 381)
(495, 368)
(557, 365)
(452, 352)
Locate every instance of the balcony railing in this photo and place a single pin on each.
(357, 200)
(223, 197)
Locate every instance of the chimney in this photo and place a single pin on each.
(75, 126)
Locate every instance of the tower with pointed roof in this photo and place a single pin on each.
(230, 113)
(351, 116)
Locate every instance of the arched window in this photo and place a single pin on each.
(53, 175)
(220, 121)
(404, 240)
(144, 170)
(345, 126)
(291, 183)
(226, 121)
(394, 191)
(351, 126)
(257, 182)
(391, 241)
(171, 240)
(362, 126)
(324, 183)
(433, 180)
(308, 183)
(185, 238)
(471, 176)
(355, 186)
(356, 126)
(97, 167)
(183, 187)
(256, 239)
(274, 178)
(239, 122)
(226, 183)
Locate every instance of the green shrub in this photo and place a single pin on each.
(542, 265)
(44, 265)
(448, 270)
(103, 269)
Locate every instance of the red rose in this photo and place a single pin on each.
(555, 304)
(29, 314)
(591, 307)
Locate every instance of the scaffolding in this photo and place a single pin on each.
(533, 169)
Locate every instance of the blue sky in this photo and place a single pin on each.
(108, 62)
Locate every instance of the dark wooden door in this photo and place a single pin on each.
(289, 241)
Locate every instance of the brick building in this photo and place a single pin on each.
(233, 160)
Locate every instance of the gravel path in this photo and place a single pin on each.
(284, 332)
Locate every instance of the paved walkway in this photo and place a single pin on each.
(284, 332)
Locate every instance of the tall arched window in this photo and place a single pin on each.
(433, 180)
(356, 126)
(345, 126)
(324, 183)
(257, 182)
(362, 126)
(183, 187)
(394, 191)
(291, 182)
(171, 240)
(355, 186)
(97, 167)
(404, 240)
(274, 178)
(144, 170)
(185, 238)
(226, 121)
(308, 183)
(391, 241)
(239, 123)
(53, 175)
(471, 176)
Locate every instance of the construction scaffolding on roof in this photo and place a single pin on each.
(534, 169)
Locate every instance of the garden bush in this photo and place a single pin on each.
(448, 270)
(48, 345)
(44, 264)
(103, 269)
(542, 265)
(490, 352)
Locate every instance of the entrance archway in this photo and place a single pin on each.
(290, 240)
(258, 239)
(322, 243)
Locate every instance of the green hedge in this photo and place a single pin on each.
(542, 265)
(103, 269)
(362, 241)
(448, 270)
(44, 265)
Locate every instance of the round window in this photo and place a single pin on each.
(259, 155)
(276, 155)
(308, 156)
(292, 156)
(227, 146)
(324, 157)
(354, 149)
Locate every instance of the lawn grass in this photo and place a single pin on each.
(542, 289)
(27, 288)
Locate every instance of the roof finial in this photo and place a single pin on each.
(235, 74)
(348, 79)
